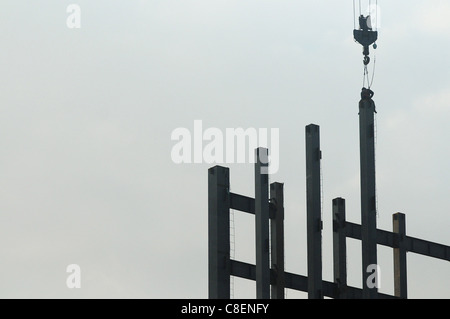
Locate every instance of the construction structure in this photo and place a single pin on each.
(268, 209)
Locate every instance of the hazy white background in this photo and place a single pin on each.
(86, 117)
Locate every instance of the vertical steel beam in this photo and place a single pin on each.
(368, 201)
(262, 224)
(339, 247)
(313, 211)
(219, 269)
(277, 239)
(400, 277)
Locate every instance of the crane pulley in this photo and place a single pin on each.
(365, 36)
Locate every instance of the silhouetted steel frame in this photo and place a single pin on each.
(221, 267)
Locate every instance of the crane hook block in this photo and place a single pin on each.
(365, 36)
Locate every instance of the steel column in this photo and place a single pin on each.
(277, 239)
(339, 247)
(262, 224)
(400, 275)
(368, 201)
(219, 269)
(313, 211)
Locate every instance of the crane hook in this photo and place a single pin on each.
(365, 36)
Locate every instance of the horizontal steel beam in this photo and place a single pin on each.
(242, 203)
(353, 230)
(414, 245)
(247, 205)
(427, 248)
(243, 270)
(248, 271)
(384, 238)
(298, 282)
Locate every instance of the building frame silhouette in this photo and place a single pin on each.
(268, 208)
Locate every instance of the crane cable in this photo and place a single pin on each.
(366, 74)
(366, 71)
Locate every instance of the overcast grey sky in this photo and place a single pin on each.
(87, 114)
